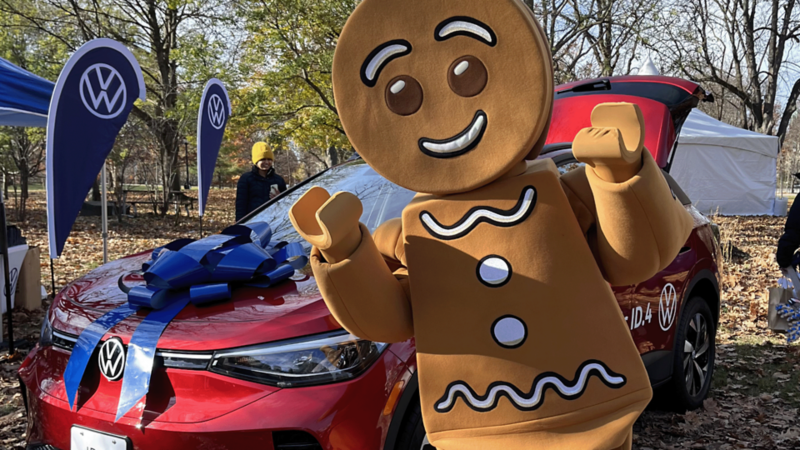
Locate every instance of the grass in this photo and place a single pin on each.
(755, 368)
(7, 409)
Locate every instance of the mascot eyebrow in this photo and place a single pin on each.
(378, 58)
(465, 26)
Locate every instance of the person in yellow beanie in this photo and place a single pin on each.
(260, 184)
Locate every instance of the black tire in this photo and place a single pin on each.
(412, 432)
(692, 356)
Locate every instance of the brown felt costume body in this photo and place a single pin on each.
(504, 265)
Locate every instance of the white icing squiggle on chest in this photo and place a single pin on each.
(475, 216)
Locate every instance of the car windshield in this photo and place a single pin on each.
(382, 199)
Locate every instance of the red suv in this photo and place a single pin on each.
(272, 369)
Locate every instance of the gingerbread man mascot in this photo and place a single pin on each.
(504, 265)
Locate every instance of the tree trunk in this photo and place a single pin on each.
(175, 184)
(788, 113)
(96, 190)
(333, 157)
(23, 198)
(171, 182)
(16, 200)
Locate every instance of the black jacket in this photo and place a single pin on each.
(253, 190)
(790, 240)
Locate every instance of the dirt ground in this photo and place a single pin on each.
(754, 399)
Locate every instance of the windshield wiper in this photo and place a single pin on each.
(602, 85)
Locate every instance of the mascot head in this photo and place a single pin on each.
(443, 96)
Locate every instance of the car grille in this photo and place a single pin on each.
(40, 447)
(164, 358)
(294, 440)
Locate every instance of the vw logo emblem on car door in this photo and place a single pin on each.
(112, 359)
(667, 307)
(216, 111)
(103, 91)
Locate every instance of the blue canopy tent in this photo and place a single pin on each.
(24, 97)
(24, 102)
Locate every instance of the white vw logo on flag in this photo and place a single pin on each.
(112, 359)
(113, 102)
(216, 112)
(667, 307)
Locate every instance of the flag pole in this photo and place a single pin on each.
(52, 278)
(6, 273)
(104, 214)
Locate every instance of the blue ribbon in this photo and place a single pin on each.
(182, 272)
(85, 346)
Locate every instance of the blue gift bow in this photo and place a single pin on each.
(182, 272)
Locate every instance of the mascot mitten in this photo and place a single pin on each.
(500, 268)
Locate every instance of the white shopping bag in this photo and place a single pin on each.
(16, 255)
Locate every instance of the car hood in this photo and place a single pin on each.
(254, 315)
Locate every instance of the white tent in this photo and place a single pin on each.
(648, 68)
(724, 168)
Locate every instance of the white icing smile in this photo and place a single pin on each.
(458, 144)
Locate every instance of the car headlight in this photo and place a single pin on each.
(310, 360)
(46, 334)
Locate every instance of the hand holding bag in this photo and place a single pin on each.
(781, 300)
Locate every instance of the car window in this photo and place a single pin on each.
(568, 165)
(563, 160)
(382, 199)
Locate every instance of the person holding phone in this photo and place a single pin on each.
(260, 184)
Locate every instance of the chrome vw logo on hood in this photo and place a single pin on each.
(103, 91)
(112, 359)
(216, 112)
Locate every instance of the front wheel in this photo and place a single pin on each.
(412, 434)
(693, 356)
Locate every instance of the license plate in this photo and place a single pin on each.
(85, 439)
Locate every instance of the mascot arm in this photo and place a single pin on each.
(639, 227)
(359, 288)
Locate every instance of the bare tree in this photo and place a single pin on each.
(25, 149)
(596, 37)
(741, 46)
(621, 30)
(565, 25)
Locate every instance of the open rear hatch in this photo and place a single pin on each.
(665, 103)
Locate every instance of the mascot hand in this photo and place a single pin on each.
(613, 145)
(329, 223)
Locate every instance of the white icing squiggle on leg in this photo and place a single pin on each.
(533, 399)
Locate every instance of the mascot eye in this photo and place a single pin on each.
(403, 95)
(467, 76)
